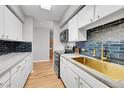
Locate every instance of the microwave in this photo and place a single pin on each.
(64, 36)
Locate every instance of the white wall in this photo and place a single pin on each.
(57, 45)
(41, 37)
(28, 29)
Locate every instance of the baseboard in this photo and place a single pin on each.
(42, 60)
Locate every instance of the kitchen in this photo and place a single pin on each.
(61, 46)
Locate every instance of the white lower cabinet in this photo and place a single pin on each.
(17, 79)
(17, 76)
(69, 78)
(74, 77)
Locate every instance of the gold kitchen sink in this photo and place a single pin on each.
(113, 71)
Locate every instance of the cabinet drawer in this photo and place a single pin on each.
(4, 78)
(17, 67)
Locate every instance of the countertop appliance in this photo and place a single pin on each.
(64, 36)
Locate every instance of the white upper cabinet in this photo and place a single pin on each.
(92, 13)
(19, 30)
(105, 10)
(10, 25)
(73, 29)
(1, 21)
(85, 16)
(74, 33)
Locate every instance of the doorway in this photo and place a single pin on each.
(51, 46)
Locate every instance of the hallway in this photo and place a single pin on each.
(43, 77)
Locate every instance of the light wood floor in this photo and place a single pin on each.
(43, 77)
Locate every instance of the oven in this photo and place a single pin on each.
(57, 64)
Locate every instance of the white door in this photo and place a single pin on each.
(1, 21)
(86, 16)
(83, 84)
(10, 25)
(72, 79)
(104, 10)
(73, 29)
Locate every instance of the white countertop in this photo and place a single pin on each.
(9, 60)
(101, 77)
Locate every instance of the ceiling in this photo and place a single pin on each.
(41, 15)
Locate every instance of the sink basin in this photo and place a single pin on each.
(113, 71)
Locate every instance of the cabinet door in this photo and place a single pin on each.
(82, 35)
(104, 10)
(18, 28)
(63, 72)
(83, 84)
(72, 79)
(1, 21)
(16, 80)
(10, 25)
(19, 78)
(25, 72)
(73, 29)
(29, 62)
(86, 16)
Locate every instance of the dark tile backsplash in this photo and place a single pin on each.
(22, 47)
(111, 38)
(12, 46)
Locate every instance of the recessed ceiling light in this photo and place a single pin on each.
(47, 7)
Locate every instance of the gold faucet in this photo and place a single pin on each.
(94, 52)
(102, 54)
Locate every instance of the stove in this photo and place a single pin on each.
(57, 61)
